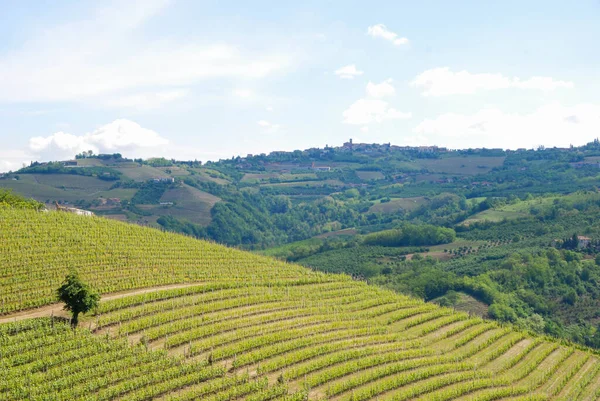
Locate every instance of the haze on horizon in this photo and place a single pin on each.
(207, 80)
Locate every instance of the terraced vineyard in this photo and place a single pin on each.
(250, 328)
(37, 250)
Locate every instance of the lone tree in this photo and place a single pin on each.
(77, 296)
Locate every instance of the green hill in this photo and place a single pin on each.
(245, 327)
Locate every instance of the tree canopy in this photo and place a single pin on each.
(77, 296)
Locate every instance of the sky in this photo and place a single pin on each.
(204, 80)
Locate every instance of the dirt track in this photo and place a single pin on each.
(57, 309)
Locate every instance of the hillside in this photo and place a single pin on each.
(262, 201)
(247, 327)
(515, 259)
(37, 249)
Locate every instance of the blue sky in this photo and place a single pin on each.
(213, 79)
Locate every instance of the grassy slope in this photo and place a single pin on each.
(523, 208)
(471, 165)
(370, 175)
(408, 204)
(37, 249)
(260, 177)
(256, 319)
(189, 204)
(60, 186)
(142, 173)
(192, 205)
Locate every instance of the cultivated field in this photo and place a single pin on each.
(370, 175)
(396, 204)
(260, 177)
(321, 183)
(524, 208)
(471, 165)
(245, 327)
(64, 187)
(142, 173)
(190, 204)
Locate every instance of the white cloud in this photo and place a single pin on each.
(381, 31)
(442, 82)
(59, 146)
(383, 89)
(367, 111)
(372, 109)
(365, 129)
(269, 127)
(269, 108)
(550, 125)
(146, 100)
(122, 136)
(105, 56)
(13, 159)
(348, 72)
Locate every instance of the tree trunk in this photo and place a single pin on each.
(75, 320)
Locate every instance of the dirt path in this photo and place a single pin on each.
(57, 309)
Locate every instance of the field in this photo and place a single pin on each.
(174, 171)
(192, 204)
(370, 175)
(471, 165)
(495, 215)
(142, 173)
(408, 204)
(321, 183)
(64, 187)
(521, 209)
(437, 251)
(209, 175)
(260, 177)
(189, 204)
(242, 326)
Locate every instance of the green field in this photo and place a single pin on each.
(334, 183)
(210, 175)
(261, 177)
(63, 187)
(495, 215)
(174, 171)
(142, 173)
(396, 204)
(244, 327)
(470, 165)
(370, 175)
(189, 204)
(520, 209)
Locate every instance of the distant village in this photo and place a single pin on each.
(347, 148)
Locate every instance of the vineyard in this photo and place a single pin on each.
(38, 249)
(248, 328)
